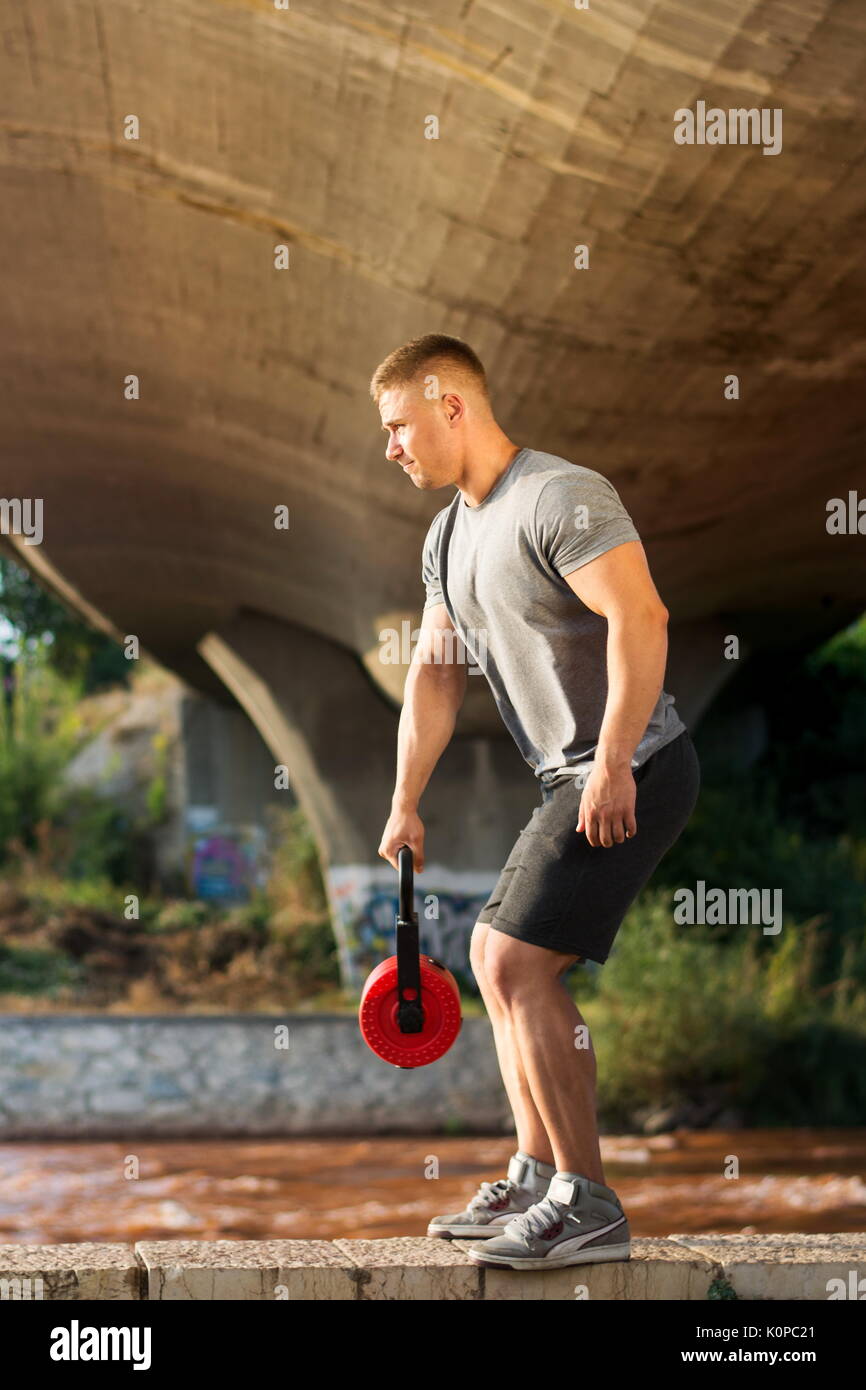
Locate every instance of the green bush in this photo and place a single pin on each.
(739, 836)
(72, 831)
(295, 882)
(295, 903)
(674, 1011)
(90, 838)
(24, 970)
(180, 914)
(36, 741)
(795, 818)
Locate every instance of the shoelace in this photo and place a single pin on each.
(536, 1219)
(490, 1192)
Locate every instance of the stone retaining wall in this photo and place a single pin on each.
(97, 1076)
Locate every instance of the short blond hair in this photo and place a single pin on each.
(405, 364)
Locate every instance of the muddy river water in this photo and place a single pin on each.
(789, 1180)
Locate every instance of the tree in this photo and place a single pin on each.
(29, 613)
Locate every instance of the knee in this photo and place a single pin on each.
(506, 974)
(518, 973)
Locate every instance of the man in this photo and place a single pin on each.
(536, 568)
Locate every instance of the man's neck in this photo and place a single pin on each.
(484, 471)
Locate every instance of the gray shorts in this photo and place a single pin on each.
(559, 891)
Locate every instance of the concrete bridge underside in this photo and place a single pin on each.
(154, 258)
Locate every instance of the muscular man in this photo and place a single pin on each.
(536, 570)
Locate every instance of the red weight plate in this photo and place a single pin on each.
(440, 998)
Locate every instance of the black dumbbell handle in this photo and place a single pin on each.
(410, 1010)
(405, 866)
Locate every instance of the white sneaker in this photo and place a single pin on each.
(578, 1222)
(497, 1203)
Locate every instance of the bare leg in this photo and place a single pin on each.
(531, 1134)
(555, 1056)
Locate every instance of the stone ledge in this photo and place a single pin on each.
(410, 1268)
(780, 1267)
(82, 1271)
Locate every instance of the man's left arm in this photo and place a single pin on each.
(618, 586)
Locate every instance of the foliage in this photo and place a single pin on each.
(38, 735)
(675, 1011)
(76, 651)
(35, 972)
(795, 818)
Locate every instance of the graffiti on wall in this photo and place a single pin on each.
(226, 863)
(364, 901)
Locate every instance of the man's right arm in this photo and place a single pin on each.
(432, 696)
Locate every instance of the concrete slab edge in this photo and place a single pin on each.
(408, 1268)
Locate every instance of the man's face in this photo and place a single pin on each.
(419, 437)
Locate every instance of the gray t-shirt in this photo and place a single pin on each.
(499, 569)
